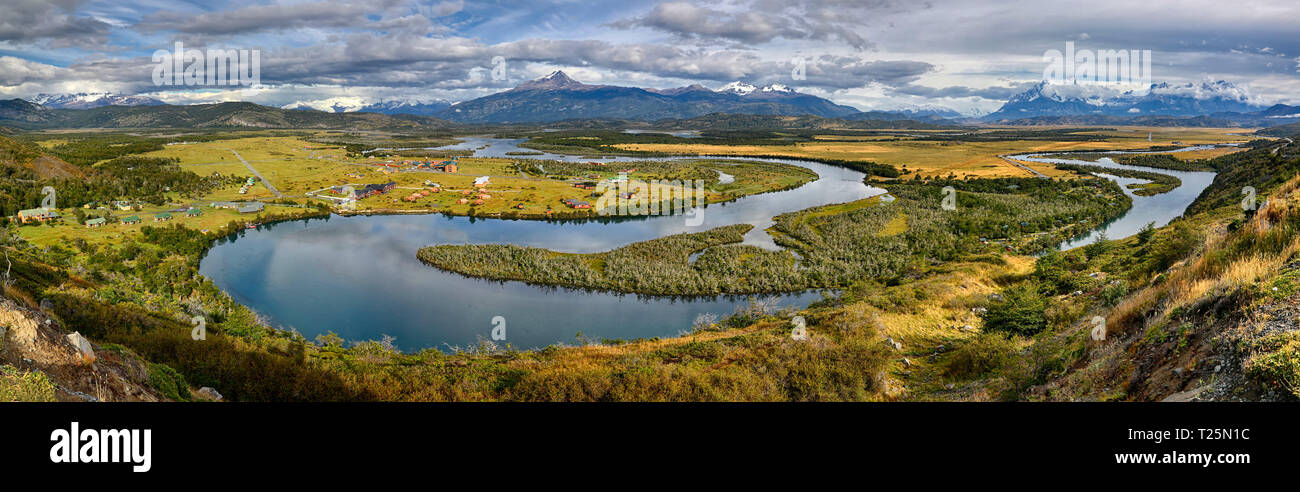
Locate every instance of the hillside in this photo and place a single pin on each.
(1207, 308)
(22, 114)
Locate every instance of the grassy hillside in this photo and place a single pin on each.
(221, 115)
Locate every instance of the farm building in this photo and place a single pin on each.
(162, 217)
(37, 214)
(133, 219)
(124, 205)
(96, 222)
(375, 189)
(193, 212)
(478, 202)
(252, 208)
(462, 201)
(575, 203)
(225, 204)
(481, 181)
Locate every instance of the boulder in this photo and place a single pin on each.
(208, 393)
(81, 344)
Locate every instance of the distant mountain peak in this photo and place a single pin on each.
(87, 100)
(739, 88)
(1162, 98)
(557, 80)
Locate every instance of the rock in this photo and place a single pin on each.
(208, 393)
(1097, 274)
(906, 362)
(81, 344)
(891, 343)
(1178, 371)
(968, 328)
(2, 338)
(1218, 367)
(995, 297)
(1077, 293)
(949, 386)
(979, 310)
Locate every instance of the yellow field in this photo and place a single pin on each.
(114, 233)
(976, 159)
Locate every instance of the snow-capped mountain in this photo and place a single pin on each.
(356, 104)
(1164, 99)
(738, 88)
(87, 100)
(558, 97)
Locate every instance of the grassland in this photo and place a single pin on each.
(298, 167)
(977, 159)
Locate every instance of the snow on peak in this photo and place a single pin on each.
(777, 88)
(738, 87)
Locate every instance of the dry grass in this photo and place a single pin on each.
(1214, 271)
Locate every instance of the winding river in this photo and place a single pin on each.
(358, 276)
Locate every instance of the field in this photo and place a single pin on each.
(301, 169)
(965, 158)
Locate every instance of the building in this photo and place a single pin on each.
(575, 203)
(37, 214)
(96, 222)
(124, 205)
(225, 205)
(162, 217)
(252, 208)
(481, 181)
(375, 189)
(193, 212)
(133, 219)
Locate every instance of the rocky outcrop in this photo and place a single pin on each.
(30, 340)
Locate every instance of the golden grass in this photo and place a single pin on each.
(976, 159)
(1207, 275)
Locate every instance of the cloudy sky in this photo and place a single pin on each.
(871, 54)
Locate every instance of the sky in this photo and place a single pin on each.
(870, 54)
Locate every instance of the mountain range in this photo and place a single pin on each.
(87, 100)
(391, 107)
(25, 114)
(559, 97)
(1164, 99)
(556, 98)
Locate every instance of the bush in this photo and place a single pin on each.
(979, 355)
(169, 382)
(1020, 312)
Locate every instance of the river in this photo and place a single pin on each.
(358, 276)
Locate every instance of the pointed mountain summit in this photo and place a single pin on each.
(557, 80)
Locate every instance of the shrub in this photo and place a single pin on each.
(169, 382)
(979, 355)
(1020, 312)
